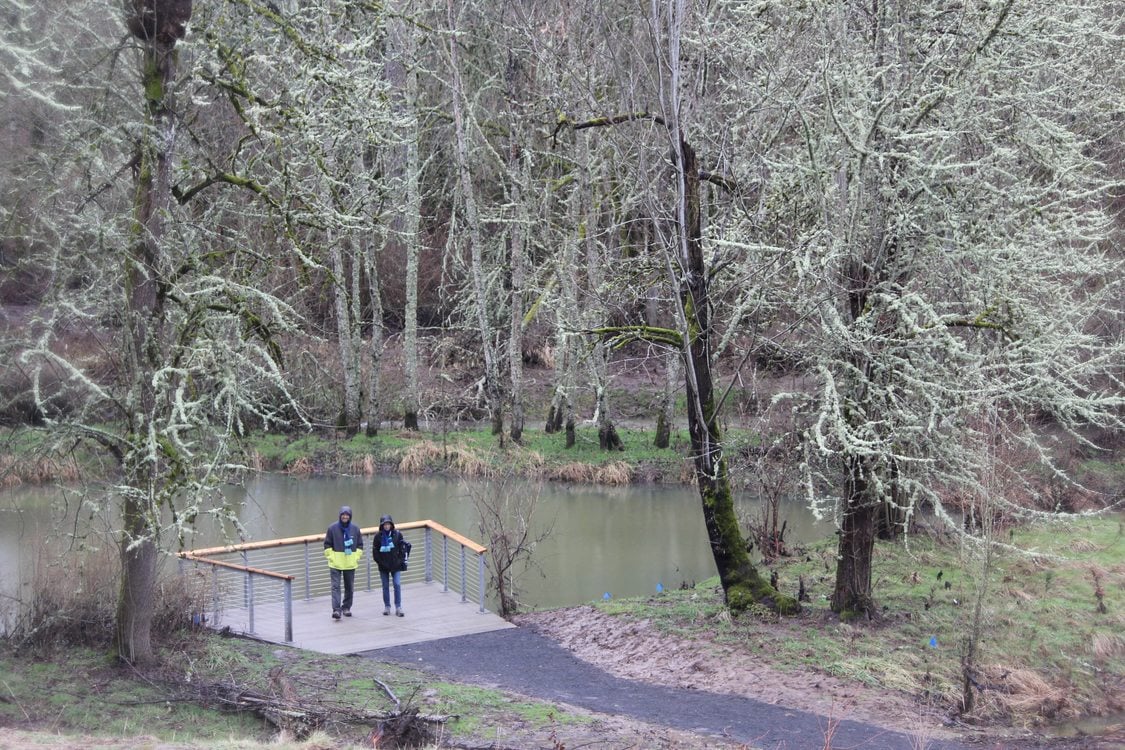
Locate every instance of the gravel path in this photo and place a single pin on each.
(523, 661)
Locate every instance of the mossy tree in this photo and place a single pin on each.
(689, 274)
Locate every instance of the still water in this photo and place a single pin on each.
(618, 540)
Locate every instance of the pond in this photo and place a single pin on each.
(624, 541)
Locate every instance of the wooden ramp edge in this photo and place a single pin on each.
(430, 614)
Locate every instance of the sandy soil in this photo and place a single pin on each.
(636, 650)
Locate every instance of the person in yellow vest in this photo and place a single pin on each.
(343, 549)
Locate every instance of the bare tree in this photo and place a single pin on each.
(506, 516)
(688, 272)
(404, 169)
(477, 271)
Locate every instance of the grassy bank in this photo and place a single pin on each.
(477, 453)
(28, 456)
(1051, 633)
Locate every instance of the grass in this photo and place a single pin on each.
(476, 453)
(87, 695)
(80, 691)
(1048, 652)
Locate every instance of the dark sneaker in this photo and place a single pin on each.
(335, 614)
(387, 611)
(347, 613)
(400, 613)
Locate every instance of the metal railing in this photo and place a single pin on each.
(261, 577)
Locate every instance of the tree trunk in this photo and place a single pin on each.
(519, 175)
(404, 167)
(890, 523)
(742, 584)
(608, 439)
(136, 600)
(476, 239)
(561, 413)
(666, 416)
(852, 596)
(144, 323)
(374, 405)
(869, 270)
(342, 284)
(598, 359)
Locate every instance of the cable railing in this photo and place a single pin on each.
(262, 578)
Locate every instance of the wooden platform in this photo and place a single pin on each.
(431, 614)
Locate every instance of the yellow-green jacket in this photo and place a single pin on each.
(343, 546)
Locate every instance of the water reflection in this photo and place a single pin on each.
(620, 540)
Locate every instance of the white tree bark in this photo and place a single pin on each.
(477, 271)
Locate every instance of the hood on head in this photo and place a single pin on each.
(345, 509)
(387, 519)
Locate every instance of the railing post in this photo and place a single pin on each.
(480, 570)
(248, 592)
(288, 611)
(246, 585)
(429, 554)
(464, 577)
(308, 575)
(214, 595)
(370, 557)
(444, 563)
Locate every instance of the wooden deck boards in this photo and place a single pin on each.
(431, 614)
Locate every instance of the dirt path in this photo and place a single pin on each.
(526, 661)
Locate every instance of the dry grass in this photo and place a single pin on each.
(1082, 545)
(1106, 646)
(255, 461)
(468, 464)
(77, 606)
(302, 467)
(531, 465)
(364, 466)
(532, 458)
(38, 470)
(419, 456)
(425, 454)
(616, 473)
(578, 473)
(1025, 696)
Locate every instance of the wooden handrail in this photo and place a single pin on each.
(370, 530)
(232, 566)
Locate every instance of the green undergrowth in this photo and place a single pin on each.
(1047, 650)
(475, 452)
(79, 691)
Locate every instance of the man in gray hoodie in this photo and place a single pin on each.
(343, 549)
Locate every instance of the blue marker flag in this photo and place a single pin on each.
(660, 588)
(606, 596)
(933, 641)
